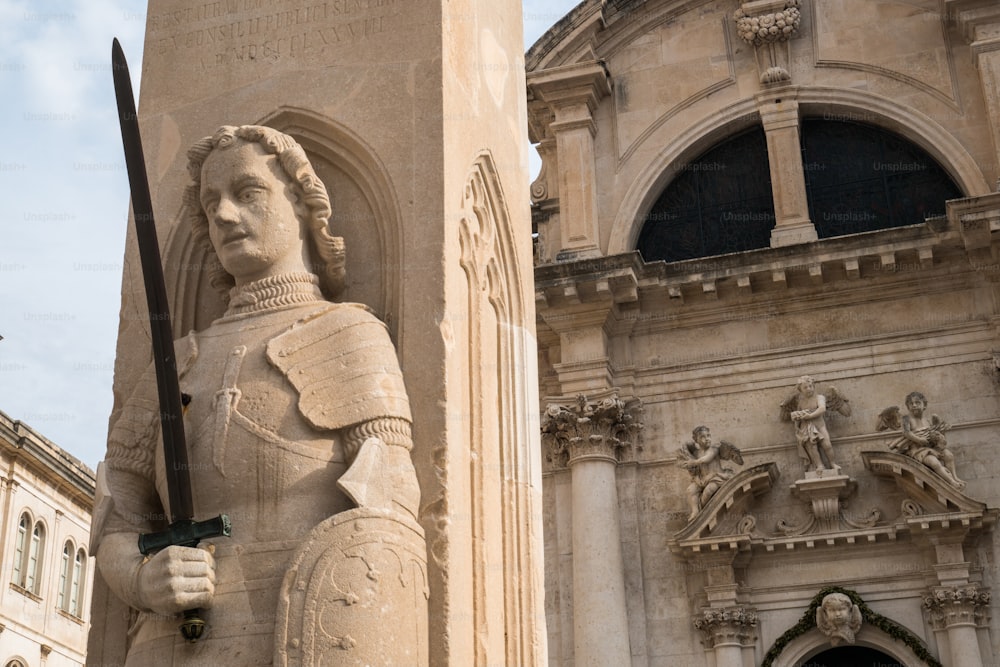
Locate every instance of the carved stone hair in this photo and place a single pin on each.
(325, 250)
(804, 379)
(915, 394)
(699, 429)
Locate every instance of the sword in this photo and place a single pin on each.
(183, 529)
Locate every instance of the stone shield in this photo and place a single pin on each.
(355, 594)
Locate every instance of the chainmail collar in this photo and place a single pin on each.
(274, 292)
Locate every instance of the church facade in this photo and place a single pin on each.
(767, 303)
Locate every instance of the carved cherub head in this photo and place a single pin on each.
(838, 618)
(325, 250)
(806, 385)
(702, 435)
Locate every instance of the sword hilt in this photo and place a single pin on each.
(187, 533)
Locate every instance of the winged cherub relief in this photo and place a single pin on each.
(838, 618)
(703, 459)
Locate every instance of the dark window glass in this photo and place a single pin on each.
(860, 178)
(716, 204)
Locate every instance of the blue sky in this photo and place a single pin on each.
(62, 229)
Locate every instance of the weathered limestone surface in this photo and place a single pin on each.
(413, 117)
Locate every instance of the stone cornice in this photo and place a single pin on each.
(978, 20)
(580, 84)
(968, 228)
(45, 458)
(602, 427)
(976, 219)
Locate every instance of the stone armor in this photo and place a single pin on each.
(278, 414)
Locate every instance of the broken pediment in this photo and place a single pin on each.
(725, 522)
(931, 504)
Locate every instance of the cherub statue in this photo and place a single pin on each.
(838, 618)
(922, 438)
(805, 408)
(703, 459)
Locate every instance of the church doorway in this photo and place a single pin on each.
(852, 656)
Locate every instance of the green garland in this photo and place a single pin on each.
(888, 626)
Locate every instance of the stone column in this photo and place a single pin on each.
(728, 631)
(590, 436)
(981, 25)
(779, 113)
(413, 113)
(572, 93)
(959, 610)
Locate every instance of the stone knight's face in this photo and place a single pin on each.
(253, 218)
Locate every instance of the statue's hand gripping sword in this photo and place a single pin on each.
(183, 529)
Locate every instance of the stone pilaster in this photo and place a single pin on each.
(571, 94)
(727, 632)
(980, 22)
(779, 113)
(591, 436)
(959, 610)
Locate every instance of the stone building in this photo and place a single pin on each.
(735, 195)
(46, 497)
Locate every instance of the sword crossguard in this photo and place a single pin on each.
(187, 533)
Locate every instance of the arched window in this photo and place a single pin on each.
(29, 551)
(77, 583)
(36, 551)
(719, 203)
(72, 578)
(858, 177)
(20, 548)
(64, 577)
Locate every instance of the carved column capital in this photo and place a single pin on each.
(948, 606)
(732, 625)
(602, 428)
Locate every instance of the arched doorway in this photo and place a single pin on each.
(852, 656)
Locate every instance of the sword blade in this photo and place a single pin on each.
(168, 388)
